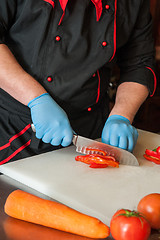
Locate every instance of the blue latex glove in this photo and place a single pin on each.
(120, 133)
(50, 121)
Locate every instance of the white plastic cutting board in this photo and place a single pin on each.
(96, 192)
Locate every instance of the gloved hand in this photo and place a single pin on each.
(120, 133)
(50, 121)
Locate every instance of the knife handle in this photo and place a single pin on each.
(33, 127)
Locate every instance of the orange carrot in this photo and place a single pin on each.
(27, 207)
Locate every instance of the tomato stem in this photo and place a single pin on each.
(133, 214)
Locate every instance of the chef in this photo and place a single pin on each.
(56, 59)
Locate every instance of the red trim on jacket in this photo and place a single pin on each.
(15, 136)
(98, 6)
(99, 81)
(11, 140)
(16, 152)
(155, 81)
(50, 1)
(115, 27)
(63, 3)
(61, 18)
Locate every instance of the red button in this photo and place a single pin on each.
(104, 44)
(89, 109)
(58, 38)
(49, 79)
(94, 75)
(107, 6)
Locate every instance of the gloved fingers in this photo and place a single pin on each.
(133, 140)
(119, 132)
(56, 141)
(47, 137)
(57, 137)
(135, 134)
(67, 140)
(39, 133)
(105, 135)
(114, 139)
(48, 118)
(105, 139)
(123, 142)
(130, 143)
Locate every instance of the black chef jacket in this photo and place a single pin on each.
(70, 47)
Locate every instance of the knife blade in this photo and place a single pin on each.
(83, 145)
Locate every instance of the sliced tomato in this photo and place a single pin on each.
(152, 159)
(101, 152)
(152, 153)
(82, 158)
(97, 160)
(96, 165)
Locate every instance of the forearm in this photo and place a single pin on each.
(14, 80)
(129, 98)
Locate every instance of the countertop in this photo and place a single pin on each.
(13, 229)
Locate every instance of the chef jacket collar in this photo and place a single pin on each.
(97, 4)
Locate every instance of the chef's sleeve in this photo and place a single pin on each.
(136, 59)
(7, 16)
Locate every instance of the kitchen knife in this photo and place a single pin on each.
(83, 145)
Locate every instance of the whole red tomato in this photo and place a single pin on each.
(129, 225)
(149, 206)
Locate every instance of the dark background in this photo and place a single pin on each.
(148, 116)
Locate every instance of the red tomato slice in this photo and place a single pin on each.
(95, 160)
(100, 152)
(82, 158)
(152, 153)
(96, 165)
(152, 159)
